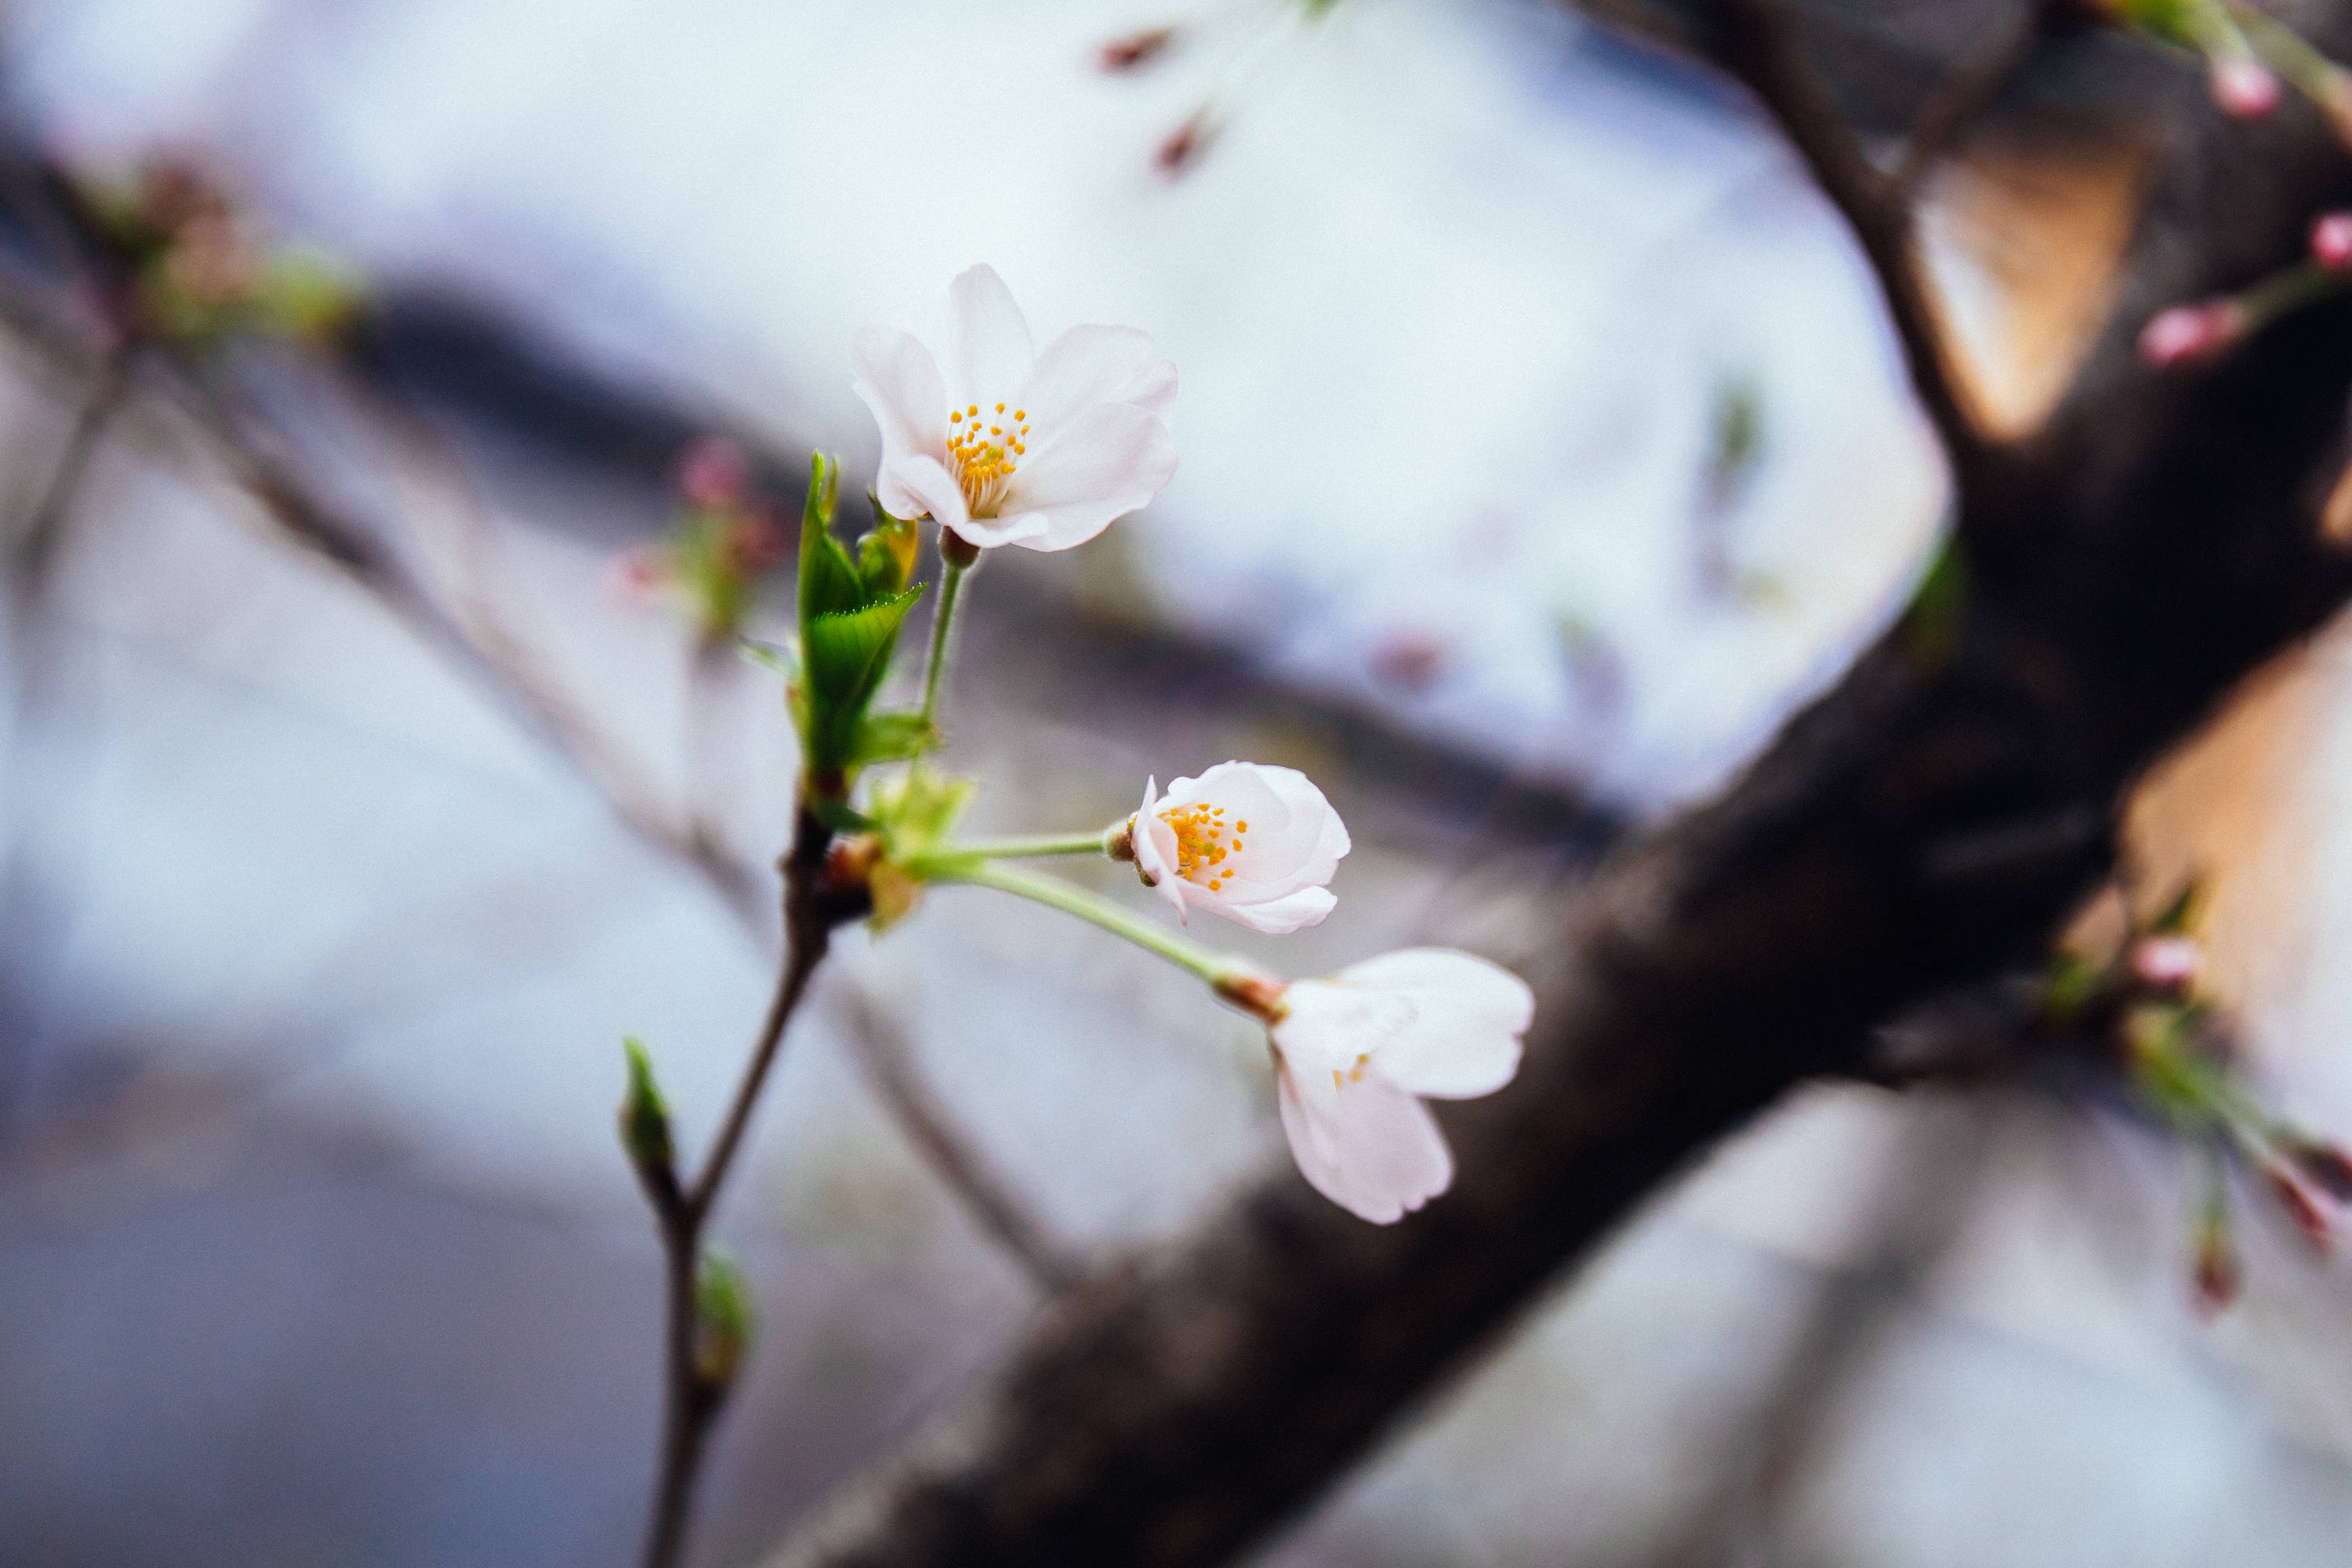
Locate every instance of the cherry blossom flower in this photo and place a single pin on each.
(1003, 445)
(1354, 1052)
(1253, 843)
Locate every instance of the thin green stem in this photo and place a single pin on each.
(935, 668)
(1021, 848)
(1216, 968)
(2274, 296)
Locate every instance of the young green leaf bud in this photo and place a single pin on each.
(645, 1120)
(724, 1319)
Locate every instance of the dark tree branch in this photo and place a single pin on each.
(1762, 50)
(2154, 544)
(1963, 96)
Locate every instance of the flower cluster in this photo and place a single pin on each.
(197, 273)
(996, 442)
(721, 546)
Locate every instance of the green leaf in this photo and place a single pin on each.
(844, 656)
(829, 583)
(891, 737)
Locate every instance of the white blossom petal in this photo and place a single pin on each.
(927, 489)
(1366, 1145)
(1109, 460)
(1466, 1016)
(990, 352)
(1273, 917)
(1155, 851)
(896, 377)
(1091, 364)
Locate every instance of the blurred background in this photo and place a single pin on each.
(1542, 449)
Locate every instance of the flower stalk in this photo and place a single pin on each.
(1219, 970)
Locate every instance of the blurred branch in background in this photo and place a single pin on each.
(2141, 553)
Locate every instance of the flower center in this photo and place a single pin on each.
(1205, 841)
(981, 450)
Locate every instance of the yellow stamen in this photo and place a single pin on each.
(1200, 853)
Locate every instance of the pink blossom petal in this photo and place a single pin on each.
(1369, 1147)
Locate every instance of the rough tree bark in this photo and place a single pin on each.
(1921, 827)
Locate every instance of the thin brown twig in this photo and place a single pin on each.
(1765, 53)
(1980, 76)
(693, 1397)
(36, 542)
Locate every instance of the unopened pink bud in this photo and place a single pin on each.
(2243, 87)
(2325, 1166)
(1137, 50)
(2331, 241)
(755, 545)
(2166, 963)
(2217, 1275)
(2187, 333)
(1184, 145)
(2300, 1207)
(713, 473)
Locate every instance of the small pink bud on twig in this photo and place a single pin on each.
(2166, 963)
(2188, 333)
(754, 544)
(2243, 87)
(2331, 241)
(2325, 1166)
(2216, 1275)
(2300, 1207)
(1184, 145)
(1137, 50)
